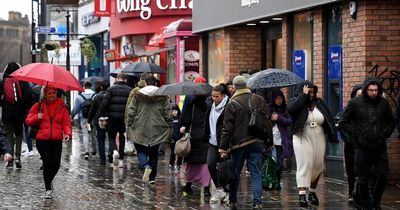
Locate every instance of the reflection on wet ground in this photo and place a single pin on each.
(82, 184)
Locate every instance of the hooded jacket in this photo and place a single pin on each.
(56, 120)
(283, 123)
(149, 118)
(368, 121)
(220, 122)
(18, 111)
(95, 112)
(114, 102)
(298, 109)
(89, 95)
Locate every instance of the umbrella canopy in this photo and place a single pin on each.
(143, 67)
(45, 74)
(185, 88)
(115, 72)
(271, 78)
(93, 78)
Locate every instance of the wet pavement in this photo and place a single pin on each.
(85, 184)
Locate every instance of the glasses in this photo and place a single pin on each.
(372, 90)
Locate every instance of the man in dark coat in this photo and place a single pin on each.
(13, 115)
(368, 120)
(245, 145)
(113, 106)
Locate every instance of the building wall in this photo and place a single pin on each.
(319, 49)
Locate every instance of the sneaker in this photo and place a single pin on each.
(110, 158)
(257, 206)
(10, 164)
(152, 182)
(48, 195)
(206, 192)
(146, 174)
(18, 164)
(226, 199)
(94, 153)
(303, 201)
(217, 196)
(171, 169)
(312, 196)
(230, 205)
(351, 200)
(121, 163)
(177, 169)
(28, 154)
(115, 157)
(86, 155)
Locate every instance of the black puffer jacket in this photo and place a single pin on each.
(199, 148)
(114, 102)
(298, 109)
(367, 121)
(95, 112)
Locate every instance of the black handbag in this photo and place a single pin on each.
(225, 172)
(258, 121)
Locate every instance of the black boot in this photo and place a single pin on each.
(312, 196)
(187, 189)
(303, 201)
(207, 192)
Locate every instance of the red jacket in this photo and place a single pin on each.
(56, 120)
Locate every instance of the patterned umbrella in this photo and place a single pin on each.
(271, 78)
(185, 88)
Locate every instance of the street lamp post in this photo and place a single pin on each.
(33, 34)
(68, 56)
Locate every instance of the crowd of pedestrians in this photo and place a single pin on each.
(218, 124)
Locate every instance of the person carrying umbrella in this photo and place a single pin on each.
(52, 117)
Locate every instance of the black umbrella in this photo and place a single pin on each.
(143, 67)
(114, 73)
(185, 88)
(93, 78)
(271, 78)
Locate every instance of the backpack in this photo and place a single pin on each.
(12, 91)
(87, 103)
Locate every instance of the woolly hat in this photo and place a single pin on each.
(239, 80)
(200, 80)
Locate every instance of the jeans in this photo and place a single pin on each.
(252, 153)
(148, 156)
(27, 138)
(101, 138)
(11, 128)
(116, 126)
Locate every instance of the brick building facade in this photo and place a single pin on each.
(370, 45)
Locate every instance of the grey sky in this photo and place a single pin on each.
(23, 6)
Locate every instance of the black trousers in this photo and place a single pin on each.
(50, 152)
(349, 163)
(212, 160)
(368, 194)
(116, 126)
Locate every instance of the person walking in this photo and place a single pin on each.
(147, 134)
(82, 107)
(349, 151)
(15, 99)
(176, 135)
(5, 149)
(368, 120)
(52, 117)
(193, 117)
(312, 121)
(281, 121)
(113, 106)
(212, 135)
(242, 145)
(94, 116)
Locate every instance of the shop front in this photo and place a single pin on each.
(137, 34)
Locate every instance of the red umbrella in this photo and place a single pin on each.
(45, 74)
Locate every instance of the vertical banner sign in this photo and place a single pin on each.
(102, 8)
(299, 63)
(335, 62)
(181, 59)
(191, 57)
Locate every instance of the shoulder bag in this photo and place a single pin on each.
(183, 146)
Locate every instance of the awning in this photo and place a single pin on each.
(158, 39)
(181, 27)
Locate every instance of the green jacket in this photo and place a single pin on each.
(149, 119)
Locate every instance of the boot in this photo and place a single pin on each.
(303, 201)
(187, 189)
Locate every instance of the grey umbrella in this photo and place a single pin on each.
(114, 73)
(185, 88)
(93, 78)
(271, 78)
(142, 67)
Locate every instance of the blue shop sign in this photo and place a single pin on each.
(335, 62)
(299, 63)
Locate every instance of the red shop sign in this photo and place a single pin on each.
(102, 8)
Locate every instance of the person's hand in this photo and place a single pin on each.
(67, 138)
(306, 89)
(223, 153)
(7, 157)
(183, 129)
(274, 116)
(40, 116)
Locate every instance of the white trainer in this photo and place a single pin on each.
(146, 174)
(121, 163)
(115, 157)
(218, 196)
